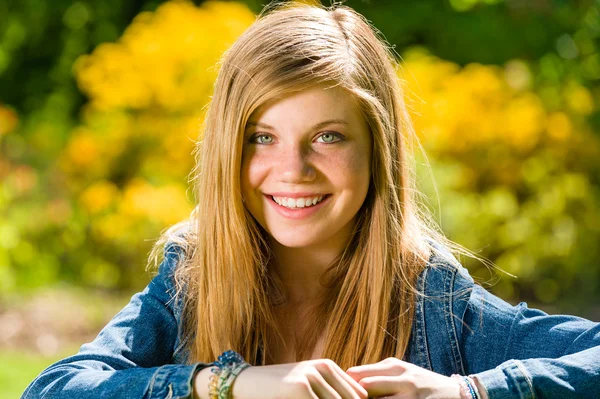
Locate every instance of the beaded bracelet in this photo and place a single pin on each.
(468, 390)
(474, 386)
(226, 368)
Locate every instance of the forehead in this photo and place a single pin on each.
(317, 102)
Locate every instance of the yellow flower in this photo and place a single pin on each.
(579, 99)
(110, 78)
(166, 204)
(165, 59)
(82, 150)
(458, 109)
(524, 120)
(112, 226)
(99, 196)
(559, 126)
(8, 120)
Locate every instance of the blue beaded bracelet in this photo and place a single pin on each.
(226, 368)
(467, 389)
(470, 387)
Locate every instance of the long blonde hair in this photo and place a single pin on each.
(224, 279)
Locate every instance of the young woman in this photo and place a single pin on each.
(309, 256)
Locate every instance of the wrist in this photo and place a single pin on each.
(467, 387)
(223, 374)
(245, 383)
(480, 387)
(200, 385)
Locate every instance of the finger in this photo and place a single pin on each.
(360, 391)
(341, 382)
(386, 385)
(405, 395)
(384, 368)
(321, 386)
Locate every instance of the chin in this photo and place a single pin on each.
(293, 241)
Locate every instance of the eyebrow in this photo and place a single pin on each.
(317, 126)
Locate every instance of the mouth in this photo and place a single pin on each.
(300, 203)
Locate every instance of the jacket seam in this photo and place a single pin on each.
(152, 381)
(421, 337)
(448, 318)
(526, 376)
(511, 334)
(180, 348)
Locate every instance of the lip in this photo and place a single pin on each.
(297, 213)
(294, 195)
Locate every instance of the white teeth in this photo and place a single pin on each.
(298, 202)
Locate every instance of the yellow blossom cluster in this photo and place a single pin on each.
(457, 110)
(8, 120)
(510, 162)
(140, 201)
(129, 158)
(165, 58)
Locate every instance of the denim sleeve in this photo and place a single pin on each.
(517, 352)
(132, 357)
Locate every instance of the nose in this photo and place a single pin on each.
(294, 165)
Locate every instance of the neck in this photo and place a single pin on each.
(300, 269)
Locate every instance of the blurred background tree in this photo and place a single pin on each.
(100, 105)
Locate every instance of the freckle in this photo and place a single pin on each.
(356, 161)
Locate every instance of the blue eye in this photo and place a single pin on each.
(262, 139)
(326, 138)
(330, 137)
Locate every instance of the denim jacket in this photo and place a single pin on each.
(459, 327)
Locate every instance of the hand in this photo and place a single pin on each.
(312, 379)
(394, 378)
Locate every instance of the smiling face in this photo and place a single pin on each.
(306, 167)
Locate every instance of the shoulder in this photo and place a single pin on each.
(443, 292)
(177, 246)
(446, 279)
(444, 275)
(171, 280)
(451, 306)
(444, 288)
(452, 298)
(171, 253)
(451, 295)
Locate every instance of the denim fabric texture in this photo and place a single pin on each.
(459, 328)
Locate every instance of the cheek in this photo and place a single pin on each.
(252, 173)
(356, 169)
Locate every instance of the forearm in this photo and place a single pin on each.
(84, 379)
(244, 383)
(571, 376)
(200, 385)
(480, 388)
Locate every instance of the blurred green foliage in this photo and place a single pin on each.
(100, 103)
(18, 369)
